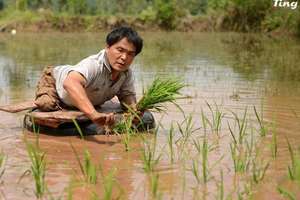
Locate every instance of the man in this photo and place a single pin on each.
(93, 80)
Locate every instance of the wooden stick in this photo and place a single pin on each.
(18, 107)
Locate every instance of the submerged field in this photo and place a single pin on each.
(236, 136)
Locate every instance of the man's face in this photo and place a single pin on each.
(120, 55)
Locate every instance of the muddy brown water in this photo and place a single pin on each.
(233, 71)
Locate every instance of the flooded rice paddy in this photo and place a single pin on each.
(236, 137)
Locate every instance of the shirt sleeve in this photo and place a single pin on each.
(127, 88)
(88, 69)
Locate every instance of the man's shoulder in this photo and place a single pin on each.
(96, 59)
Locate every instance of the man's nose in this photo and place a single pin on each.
(124, 56)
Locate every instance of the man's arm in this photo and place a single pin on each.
(74, 84)
(129, 100)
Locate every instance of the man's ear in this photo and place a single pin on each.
(107, 47)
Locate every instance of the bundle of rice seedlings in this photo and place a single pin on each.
(159, 92)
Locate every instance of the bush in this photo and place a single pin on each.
(246, 15)
(1, 4)
(166, 13)
(21, 5)
(148, 14)
(77, 6)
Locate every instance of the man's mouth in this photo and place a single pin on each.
(121, 64)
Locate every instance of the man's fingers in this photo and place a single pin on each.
(104, 118)
(110, 118)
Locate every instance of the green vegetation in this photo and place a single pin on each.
(159, 92)
(294, 168)
(2, 164)
(125, 129)
(109, 182)
(38, 169)
(88, 169)
(230, 15)
(286, 193)
(149, 155)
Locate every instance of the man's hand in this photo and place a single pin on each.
(102, 119)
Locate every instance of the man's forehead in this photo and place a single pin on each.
(125, 44)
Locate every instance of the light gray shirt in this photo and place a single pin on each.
(99, 86)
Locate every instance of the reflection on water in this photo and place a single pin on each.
(234, 71)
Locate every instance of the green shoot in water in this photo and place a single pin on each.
(125, 130)
(286, 193)
(274, 146)
(294, 168)
(78, 128)
(263, 129)
(205, 159)
(259, 171)
(2, 164)
(170, 143)
(195, 170)
(217, 116)
(240, 158)
(242, 127)
(108, 184)
(220, 186)
(87, 168)
(154, 178)
(149, 157)
(38, 169)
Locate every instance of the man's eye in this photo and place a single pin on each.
(131, 54)
(120, 50)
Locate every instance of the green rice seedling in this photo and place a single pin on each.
(204, 154)
(78, 128)
(159, 92)
(245, 192)
(274, 146)
(170, 143)
(204, 120)
(88, 170)
(197, 145)
(2, 164)
(250, 145)
(294, 168)
(263, 128)
(154, 178)
(108, 184)
(51, 197)
(242, 127)
(217, 117)
(149, 157)
(240, 158)
(36, 131)
(258, 172)
(232, 134)
(125, 130)
(195, 170)
(286, 193)
(94, 196)
(38, 169)
(186, 129)
(203, 149)
(69, 190)
(220, 186)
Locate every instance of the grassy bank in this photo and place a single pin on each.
(186, 15)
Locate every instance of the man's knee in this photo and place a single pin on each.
(46, 103)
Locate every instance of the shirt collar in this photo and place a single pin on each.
(105, 61)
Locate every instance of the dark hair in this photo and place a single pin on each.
(123, 31)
